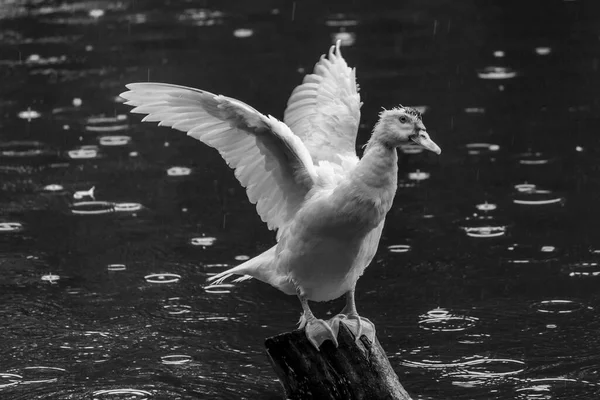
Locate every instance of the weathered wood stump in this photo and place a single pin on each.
(353, 371)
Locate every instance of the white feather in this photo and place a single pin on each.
(247, 140)
(324, 111)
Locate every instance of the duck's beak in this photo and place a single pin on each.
(423, 140)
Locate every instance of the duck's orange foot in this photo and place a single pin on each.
(358, 325)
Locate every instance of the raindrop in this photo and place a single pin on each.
(102, 123)
(203, 241)
(418, 175)
(496, 73)
(96, 13)
(92, 207)
(50, 278)
(127, 207)
(543, 51)
(101, 119)
(486, 206)
(241, 257)
(77, 102)
(442, 320)
(114, 140)
(131, 394)
(29, 114)
(10, 226)
(107, 128)
(162, 278)
(176, 359)
(179, 171)
(116, 267)
(216, 265)
(499, 54)
(537, 197)
(578, 149)
(438, 313)
(558, 306)
(83, 153)
(177, 309)
(53, 187)
(481, 148)
(525, 187)
(584, 269)
(219, 289)
(533, 158)
(243, 33)
(485, 231)
(399, 248)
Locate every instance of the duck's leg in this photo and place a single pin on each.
(317, 331)
(357, 324)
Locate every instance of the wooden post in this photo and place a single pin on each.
(354, 371)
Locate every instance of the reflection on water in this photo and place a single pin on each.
(485, 286)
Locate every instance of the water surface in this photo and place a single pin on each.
(486, 282)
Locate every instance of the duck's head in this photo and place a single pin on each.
(403, 125)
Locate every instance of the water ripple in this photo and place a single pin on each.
(558, 306)
(556, 389)
(442, 320)
(124, 393)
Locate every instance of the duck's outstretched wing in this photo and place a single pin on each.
(269, 160)
(324, 111)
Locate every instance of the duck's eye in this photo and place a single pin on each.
(403, 119)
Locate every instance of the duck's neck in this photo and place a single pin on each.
(378, 168)
(376, 177)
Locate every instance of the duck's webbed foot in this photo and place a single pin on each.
(358, 325)
(317, 331)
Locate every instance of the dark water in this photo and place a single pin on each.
(493, 295)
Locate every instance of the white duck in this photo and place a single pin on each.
(327, 206)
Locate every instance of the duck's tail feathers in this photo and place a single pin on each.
(242, 278)
(256, 267)
(219, 278)
(223, 276)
